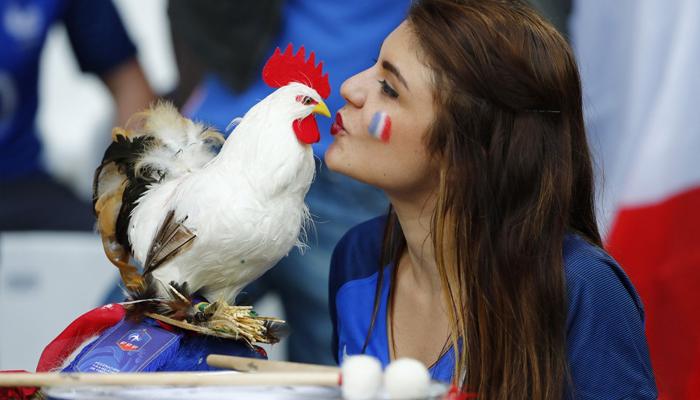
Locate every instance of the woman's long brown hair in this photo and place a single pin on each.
(516, 176)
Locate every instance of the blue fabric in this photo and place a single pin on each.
(99, 42)
(188, 354)
(607, 349)
(151, 348)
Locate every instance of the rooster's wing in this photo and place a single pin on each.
(157, 146)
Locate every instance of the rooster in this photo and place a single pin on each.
(206, 215)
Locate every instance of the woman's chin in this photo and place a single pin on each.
(333, 157)
(337, 161)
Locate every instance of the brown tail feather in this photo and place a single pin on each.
(172, 238)
(107, 209)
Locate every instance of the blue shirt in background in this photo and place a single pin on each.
(607, 350)
(99, 42)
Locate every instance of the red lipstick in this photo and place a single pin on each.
(337, 125)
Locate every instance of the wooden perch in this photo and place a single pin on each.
(47, 379)
(244, 364)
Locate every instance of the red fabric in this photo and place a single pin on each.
(87, 325)
(456, 394)
(659, 248)
(17, 392)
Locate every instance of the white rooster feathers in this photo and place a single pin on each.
(191, 215)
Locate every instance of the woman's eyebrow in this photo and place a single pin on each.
(395, 71)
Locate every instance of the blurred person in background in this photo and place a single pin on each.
(30, 198)
(220, 47)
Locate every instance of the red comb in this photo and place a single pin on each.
(283, 68)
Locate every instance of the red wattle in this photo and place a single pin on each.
(307, 130)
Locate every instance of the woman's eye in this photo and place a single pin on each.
(388, 90)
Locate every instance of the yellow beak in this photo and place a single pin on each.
(321, 108)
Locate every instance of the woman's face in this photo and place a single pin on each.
(399, 85)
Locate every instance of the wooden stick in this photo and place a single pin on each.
(245, 364)
(44, 379)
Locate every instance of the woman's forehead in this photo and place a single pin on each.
(399, 43)
(402, 50)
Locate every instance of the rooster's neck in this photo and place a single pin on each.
(268, 156)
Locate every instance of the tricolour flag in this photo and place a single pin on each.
(641, 77)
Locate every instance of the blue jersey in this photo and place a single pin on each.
(345, 35)
(606, 347)
(99, 41)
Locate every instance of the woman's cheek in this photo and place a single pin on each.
(380, 126)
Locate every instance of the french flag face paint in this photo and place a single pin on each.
(380, 127)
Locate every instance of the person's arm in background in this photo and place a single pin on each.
(129, 88)
(102, 46)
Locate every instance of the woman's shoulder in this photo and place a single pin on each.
(591, 272)
(607, 350)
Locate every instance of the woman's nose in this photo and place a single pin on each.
(354, 91)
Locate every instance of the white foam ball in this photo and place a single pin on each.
(406, 378)
(361, 377)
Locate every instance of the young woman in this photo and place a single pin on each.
(489, 266)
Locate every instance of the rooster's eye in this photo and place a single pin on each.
(306, 100)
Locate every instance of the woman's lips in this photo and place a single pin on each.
(337, 125)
